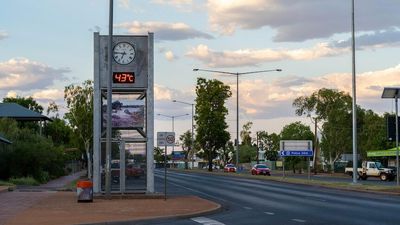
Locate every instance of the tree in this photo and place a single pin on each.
(79, 101)
(186, 143)
(270, 143)
(333, 108)
(29, 155)
(59, 131)
(210, 116)
(245, 133)
(295, 131)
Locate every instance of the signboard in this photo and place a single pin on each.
(381, 153)
(165, 139)
(296, 153)
(296, 148)
(125, 115)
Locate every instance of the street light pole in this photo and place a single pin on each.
(237, 98)
(173, 130)
(192, 135)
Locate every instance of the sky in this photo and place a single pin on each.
(46, 45)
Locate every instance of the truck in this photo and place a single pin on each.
(372, 169)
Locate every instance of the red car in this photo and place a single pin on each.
(259, 169)
(230, 168)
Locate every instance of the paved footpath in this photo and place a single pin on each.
(25, 197)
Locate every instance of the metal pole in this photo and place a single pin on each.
(237, 120)
(165, 174)
(192, 139)
(258, 149)
(354, 98)
(397, 141)
(173, 146)
(109, 102)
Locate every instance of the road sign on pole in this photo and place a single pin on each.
(296, 148)
(165, 139)
(296, 153)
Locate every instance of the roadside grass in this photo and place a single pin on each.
(5, 183)
(72, 185)
(336, 185)
(24, 181)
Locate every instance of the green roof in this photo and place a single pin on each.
(18, 112)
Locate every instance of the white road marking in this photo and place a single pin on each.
(269, 213)
(299, 220)
(248, 208)
(206, 221)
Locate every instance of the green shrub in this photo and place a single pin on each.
(24, 181)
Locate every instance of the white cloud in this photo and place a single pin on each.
(301, 19)
(169, 55)
(252, 57)
(176, 3)
(263, 99)
(126, 4)
(49, 94)
(164, 31)
(11, 94)
(24, 74)
(3, 34)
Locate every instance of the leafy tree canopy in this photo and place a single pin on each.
(211, 115)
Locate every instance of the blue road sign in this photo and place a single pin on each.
(296, 153)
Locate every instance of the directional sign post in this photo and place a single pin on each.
(165, 139)
(296, 148)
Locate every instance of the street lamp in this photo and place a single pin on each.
(392, 92)
(173, 129)
(192, 140)
(237, 98)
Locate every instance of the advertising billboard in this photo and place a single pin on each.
(125, 115)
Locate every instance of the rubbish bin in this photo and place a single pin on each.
(84, 190)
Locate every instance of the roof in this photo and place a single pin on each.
(18, 112)
(2, 139)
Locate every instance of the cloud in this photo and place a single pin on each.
(3, 35)
(301, 20)
(24, 74)
(164, 31)
(253, 57)
(49, 94)
(125, 4)
(270, 99)
(169, 55)
(175, 3)
(377, 39)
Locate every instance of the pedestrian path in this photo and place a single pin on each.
(24, 197)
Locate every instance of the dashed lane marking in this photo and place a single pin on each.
(269, 213)
(248, 208)
(206, 221)
(299, 220)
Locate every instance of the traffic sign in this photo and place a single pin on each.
(296, 153)
(165, 139)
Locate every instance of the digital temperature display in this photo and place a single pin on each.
(123, 78)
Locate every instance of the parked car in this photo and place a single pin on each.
(133, 171)
(260, 169)
(230, 168)
(372, 169)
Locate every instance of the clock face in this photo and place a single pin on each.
(124, 53)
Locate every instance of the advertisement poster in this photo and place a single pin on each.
(125, 115)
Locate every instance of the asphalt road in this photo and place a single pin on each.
(248, 201)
